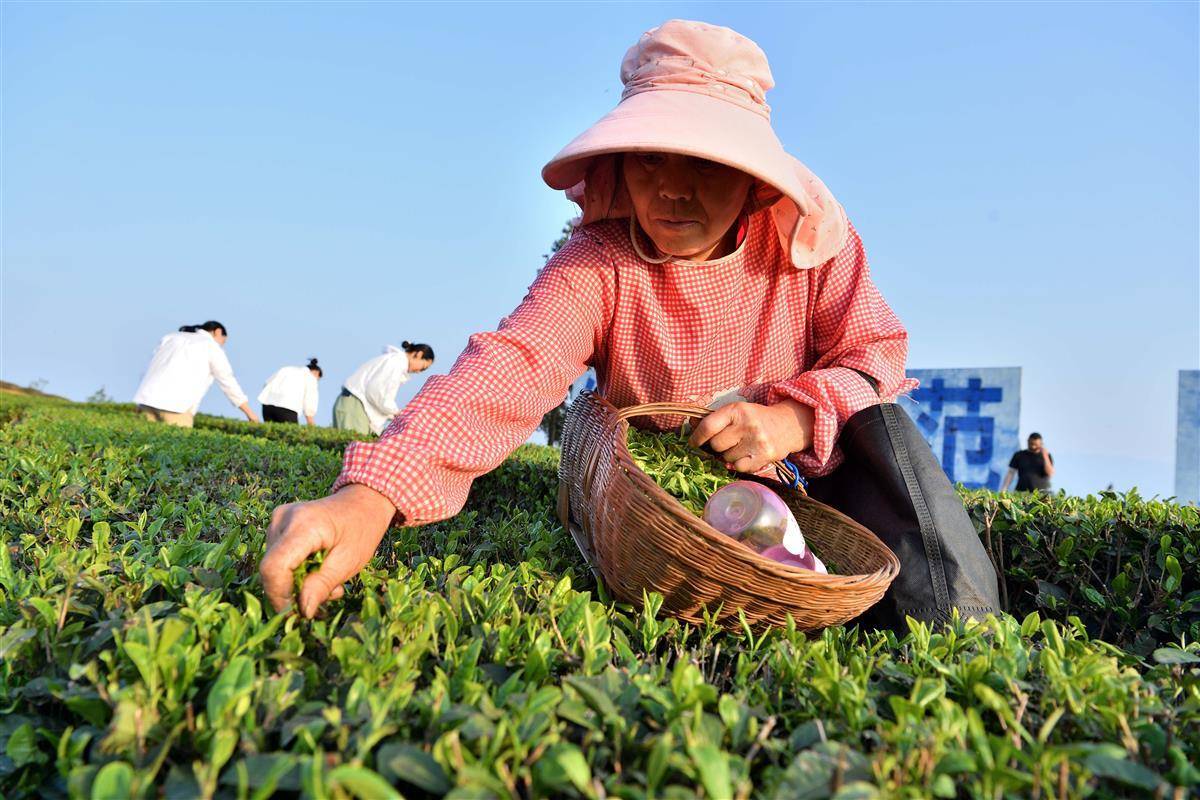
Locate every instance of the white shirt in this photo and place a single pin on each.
(293, 388)
(376, 382)
(181, 370)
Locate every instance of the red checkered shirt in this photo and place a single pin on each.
(674, 332)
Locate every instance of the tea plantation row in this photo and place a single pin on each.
(477, 657)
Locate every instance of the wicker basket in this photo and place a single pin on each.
(637, 538)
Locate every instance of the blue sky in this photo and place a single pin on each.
(327, 178)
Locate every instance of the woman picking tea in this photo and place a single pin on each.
(709, 267)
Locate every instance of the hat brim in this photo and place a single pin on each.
(812, 225)
(682, 122)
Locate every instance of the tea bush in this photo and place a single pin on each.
(282, 432)
(1128, 568)
(477, 657)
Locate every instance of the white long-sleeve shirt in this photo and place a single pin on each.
(376, 382)
(184, 365)
(293, 388)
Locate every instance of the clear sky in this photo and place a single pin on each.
(328, 178)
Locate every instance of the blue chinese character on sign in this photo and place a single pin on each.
(961, 430)
(984, 426)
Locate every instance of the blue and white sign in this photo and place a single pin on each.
(971, 418)
(1187, 438)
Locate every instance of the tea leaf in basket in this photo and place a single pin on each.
(684, 473)
(688, 475)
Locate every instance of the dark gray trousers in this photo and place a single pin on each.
(891, 483)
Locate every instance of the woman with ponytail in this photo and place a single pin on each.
(184, 365)
(368, 399)
(290, 392)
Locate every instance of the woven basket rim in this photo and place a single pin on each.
(731, 547)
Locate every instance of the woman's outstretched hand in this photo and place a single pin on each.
(749, 436)
(347, 526)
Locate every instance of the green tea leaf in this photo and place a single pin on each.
(114, 780)
(234, 682)
(411, 764)
(593, 696)
(564, 765)
(1174, 574)
(22, 746)
(943, 786)
(220, 749)
(1176, 655)
(12, 640)
(1094, 597)
(713, 767)
(1123, 771)
(362, 783)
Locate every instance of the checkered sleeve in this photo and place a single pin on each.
(464, 424)
(854, 333)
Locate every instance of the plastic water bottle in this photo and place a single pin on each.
(759, 519)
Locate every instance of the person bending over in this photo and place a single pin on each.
(183, 367)
(290, 392)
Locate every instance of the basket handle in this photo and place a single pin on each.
(785, 470)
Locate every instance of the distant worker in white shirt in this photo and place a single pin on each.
(182, 369)
(291, 391)
(368, 399)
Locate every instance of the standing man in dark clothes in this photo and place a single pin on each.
(1033, 467)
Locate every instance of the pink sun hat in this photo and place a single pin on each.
(700, 90)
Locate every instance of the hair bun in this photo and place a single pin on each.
(406, 344)
(312, 362)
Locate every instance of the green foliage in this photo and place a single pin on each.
(527, 483)
(474, 658)
(1128, 568)
(687, 474)
(99, 396)
(552, 424)
(330, 438)
(564, 236)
